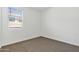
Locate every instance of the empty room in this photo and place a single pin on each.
(39, 29)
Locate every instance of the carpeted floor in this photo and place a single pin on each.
(40, 44)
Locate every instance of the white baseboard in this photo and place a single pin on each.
(58, 39)
(28, 38)
(51, 37)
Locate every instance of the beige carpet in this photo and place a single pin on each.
(40, 44)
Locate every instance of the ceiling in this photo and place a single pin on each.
(40, 8)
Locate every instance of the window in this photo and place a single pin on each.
(15, 17)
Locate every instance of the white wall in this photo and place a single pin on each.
(57, 23)
(0, 27)
(61, 23)
(29, 30)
